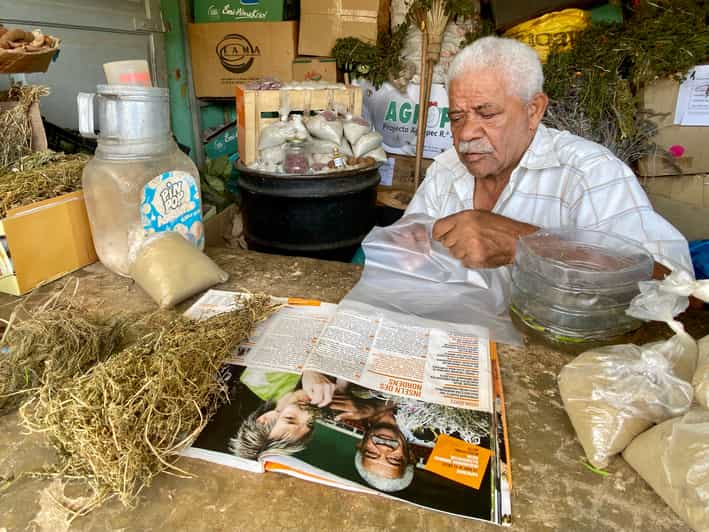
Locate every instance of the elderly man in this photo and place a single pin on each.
(509, 175)
(383, 458)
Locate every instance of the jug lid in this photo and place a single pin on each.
(132, 91)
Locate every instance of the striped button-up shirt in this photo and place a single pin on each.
(561, 181)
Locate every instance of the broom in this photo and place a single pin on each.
(436, 21)
(420, 16)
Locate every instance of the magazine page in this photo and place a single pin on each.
(283, 341)
(435, 456)
(436, 362)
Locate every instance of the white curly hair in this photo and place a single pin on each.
(519, 64)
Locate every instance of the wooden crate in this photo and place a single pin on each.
(252, 105)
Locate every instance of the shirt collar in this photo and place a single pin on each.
(540, 153)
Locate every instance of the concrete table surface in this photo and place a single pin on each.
(552, 490)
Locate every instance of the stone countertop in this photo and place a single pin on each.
(552, 490)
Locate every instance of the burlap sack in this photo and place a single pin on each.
(673, 458)
(700, 381)
(170, 269)
(614, 393)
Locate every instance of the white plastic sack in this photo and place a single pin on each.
(276, 134)
(345, 148)
(325, 147)
(406, 271)
(325, 126)
(366, 143)
(273, 155)
(354, 127)
(378, 154)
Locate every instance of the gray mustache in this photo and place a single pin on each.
(474, 146)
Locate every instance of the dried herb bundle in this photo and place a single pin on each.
(15, 127)
(56, 338)
(594, 87)
(127, 419)
(42, 175)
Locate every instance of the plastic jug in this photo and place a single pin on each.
(139, 182)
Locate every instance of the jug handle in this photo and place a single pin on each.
(85, 102)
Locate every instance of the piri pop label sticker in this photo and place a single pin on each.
(459, 461)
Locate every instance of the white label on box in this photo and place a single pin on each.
(386, 172)
(395, 116)
(693, 98)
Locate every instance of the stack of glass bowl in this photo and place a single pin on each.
(571, 287)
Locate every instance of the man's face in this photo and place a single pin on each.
(293, 419)
(385, 451)
(491, 127)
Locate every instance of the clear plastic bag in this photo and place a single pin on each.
(673, 458)
(612, 394)
(170, 269)
(406, 271)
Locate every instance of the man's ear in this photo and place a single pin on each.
(536, 109)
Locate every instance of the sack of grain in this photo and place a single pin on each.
(673, 458)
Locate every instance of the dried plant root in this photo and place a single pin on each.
(127, 419)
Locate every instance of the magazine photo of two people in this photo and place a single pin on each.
(354, 436)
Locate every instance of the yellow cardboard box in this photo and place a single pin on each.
(44, 241)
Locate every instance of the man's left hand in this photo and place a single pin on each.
(480, 239)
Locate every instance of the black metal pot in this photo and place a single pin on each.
(322, 215)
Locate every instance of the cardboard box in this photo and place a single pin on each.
(661, 97)
(218, 228)
(45, 240)
(225, 54)
(683, 200)
(245, 10)
(307, 68)
(322, 22)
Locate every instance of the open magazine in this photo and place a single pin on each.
(365, 400)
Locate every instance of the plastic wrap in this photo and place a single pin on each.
(614, 393)
(406, 271)
(325, 126)
(366, 143)
(673, 458)
(170, 269)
